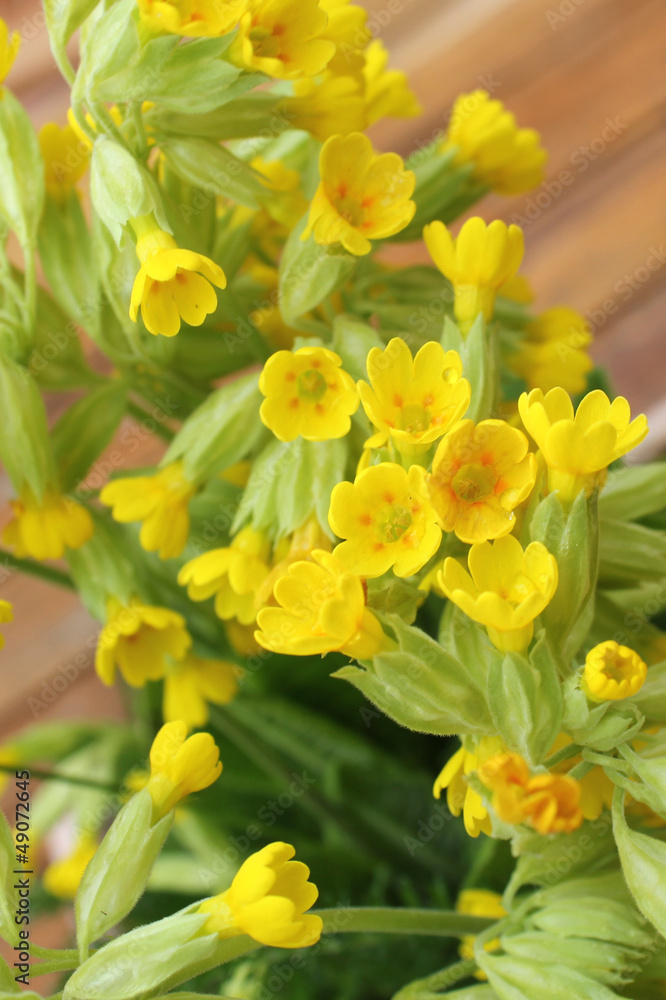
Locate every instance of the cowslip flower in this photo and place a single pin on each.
(44, 528)
(296, 547)
(180, 765)
(596, 788)
(233, 574)
(479, 903)
(387, 91)
(480, 474)
(578, 448)
(332, 106)
(307, 393)
(507, 589)
(613, 672)
(553, 351)
(191, 683)
(362, 196)
(190, 18)
(267, 900)
(66, 159)
(137, 639)
(387, 521)
(283, 38)
(460, 796)
(321, 609)
(477, 263)
(550, 803)
(62, 878)
(413, 401)
(507, 158)
(171, 283)
(160, 502)
(6, 615)
(347, 29)
(9, 47)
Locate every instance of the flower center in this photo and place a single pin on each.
(265, 42)
(414, 419)
(350, 210)
(311, 385)
(614, 667)
(392, 522)
(472, 483)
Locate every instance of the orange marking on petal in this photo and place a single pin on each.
(365, 519)
(294, 403)
(389, 498)
(398, 400)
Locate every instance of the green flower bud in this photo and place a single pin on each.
(122, 189)
(607, 963)
(633, 492)
(215, 170)
(353, 341)
(25, 448)
(630, 553)
(607, 726)
(102, 568)
(22, 170)
(643, 862)
(521, 978)
(86, 429)
(309, 273)
(478, 353)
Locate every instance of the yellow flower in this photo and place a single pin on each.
(192, 682)
(283, 38)
(347, 29)
(613, 672)
(578, 449)
(553, 352)
(506, 158)
(413, 401)
(8, 49)
(45, 529)
(333, 106)
(267, 900)
(362, 196)
(507, 589)
(461, 797)
(180, 766)
(137, 639)
(307, 393)
(296, 548)
(63, 878)
(387, 91)
(387, 521)
(479, 903)
(6, 615)
(480, 474)
(232, 574)
(596, 788)
(284, 201)
(160, 502)
(66, 159)
(550, 803)
(477, 263)
(321, 609)
(171, 283)
(191, 18)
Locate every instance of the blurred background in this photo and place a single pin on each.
(589, 75)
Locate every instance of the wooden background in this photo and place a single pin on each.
(589, 74)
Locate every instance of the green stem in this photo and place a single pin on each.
(46, 968)
(421, 988)
(564, 754)
(399, 920)
(53, 954)
(580, 770)
(140, 127)
(30, 285)
(70, 779)
(140, 414)
(33, 568)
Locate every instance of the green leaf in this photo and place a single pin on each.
(25, 448)
(235, 119)
(63, 17)
(643, 862)
(309, 273)
(22, 171)
(122, 189)
(86, 429)
(215, 170)
(353, 341)
(65, 250)
(102, 567)
(111, 46)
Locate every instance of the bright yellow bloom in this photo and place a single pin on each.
(553, 352)
(479, 903)
(413, 401)
(387, 91)
(66, 159)
(6, 615)
(480, 474)
(518, 289)
(307, 393)
(180, 766)
(477, 263)
(387, 521)
(63, 878)
(578, 449)
(596, 788)
(347, 29)
(461, 797)
(137, 639)
(8, 49)
(171, 283)
(45, 529)
(506, 158)
(283, 38)
(508, 588)
(321, 609)
(362, 196)
(613, 672)
(267, 900)
(190, 18)
(333, 106)
(160, 502)
(192, 682)
(283, 202)
(297, 547)
(550, 803)
(233, 574)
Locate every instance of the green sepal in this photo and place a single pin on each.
(109, 47)
(25, 448)
(240, 118)
(86, 429)
(441, 187)
(478, 353)
(214, 169)
(643, 862)
(606, 726)
(651, 699)
(603, 961)
(9, 930)
(63, 18)
(289, 482)
(102, 568)
(22, 171)
(353, 341)
(521, 979)
(423, 687)
(394, 596)
(651, 771)
(122, 189)
(309, 273)
(116, 876)
(65, 250)
(633, 492)
(630, 553)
